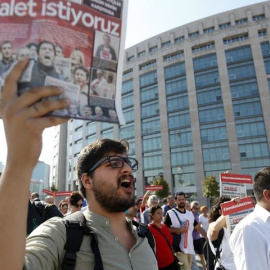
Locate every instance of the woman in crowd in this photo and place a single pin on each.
(203, 219)
(77, 60)
(81, 78)
(75, 202)
(63, 207)
(217, 222)
(163, 239)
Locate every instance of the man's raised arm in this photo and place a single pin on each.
(24, 122)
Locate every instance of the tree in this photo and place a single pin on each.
(53, 187)
(210, 187)
(161, 182)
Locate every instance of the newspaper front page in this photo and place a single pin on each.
(77, 45)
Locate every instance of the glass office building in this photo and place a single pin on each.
(195, 100)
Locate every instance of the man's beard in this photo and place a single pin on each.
(107, 196)
(181, 205)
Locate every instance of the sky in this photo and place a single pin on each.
(148, 18)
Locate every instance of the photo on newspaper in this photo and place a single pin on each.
(76, 45)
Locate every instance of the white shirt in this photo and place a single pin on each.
(187, 236)
(204, 223)
(250, 241)
(226, 255)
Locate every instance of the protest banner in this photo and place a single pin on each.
(154, 188)
(57, 193)
(235, 212)
(234, 185)
(78, 42)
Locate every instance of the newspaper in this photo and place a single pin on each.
(77, 45)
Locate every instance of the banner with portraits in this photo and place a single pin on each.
(77, 45)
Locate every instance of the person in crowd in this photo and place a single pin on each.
(87, 112)
(170, 205)
(73, 110)
(43, 67)
(33, 51)
(97, 84)
(75, 202)
(49, 199)
(163, 239)
(138, 214)
(35, 197)
(152, 201)
(105, 51)
(6, 52)
(178, 220)
(132, 212)
(77, 60)
(197, 241)
(204, 220)
(81, 78)
(217, 222)
(59, 51)
(164, 201)
(112, 116)
(63, 207)
(22, 54)
(105, 177)
(250, 240)
(143, 205)
(99, 114)
(187, 206)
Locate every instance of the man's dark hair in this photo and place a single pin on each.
(152, 210)
(83, 69)
(261, 182)
(94, 152)
(6, 42)
(179, 194)
(35, 195)
(214, 211)
(74, 198)
(47, 42)
(31, 44)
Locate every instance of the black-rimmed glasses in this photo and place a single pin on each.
(117, 162)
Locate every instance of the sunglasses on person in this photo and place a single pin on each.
(117, 162)
(79, 205)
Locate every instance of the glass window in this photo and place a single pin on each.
(225, 25)
(151, 126)
(241, 71)
(177, 103)
(149, 110)
(153, 49)
(127, 132)
(127, 86)
(166, 44)
(209, 30)
(107, 134)
(182, 158)
(174, 70)
(176, 86)
(173, 56)
(127, 101)
(148, 65)
(180, 138)
(78, 133)
(194, 34)
(203, 47)
(253, 150)
(91, 128)
(238, 54)
(265, 49)
(244, 89)
(148, 78)
(234, 39)
(151, 144)
(132, 148)
(127, 73)
(267, 66)
(216, 154)
(129, 115)
(179, 39)
(206, 61)
(247, 109)
(262, 33)
(105, 125)
(149, 93)
(91, 139)
(211, 115)
(258, 17)
(250, 129)
(154, 161)
(142, 53)
(130, 58)
(206, 97)
(206, 78)
(179, 120)
(77, 146)
(213, 134)
(241, 21)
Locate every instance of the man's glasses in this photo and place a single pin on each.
(79, 205)
(117, 162)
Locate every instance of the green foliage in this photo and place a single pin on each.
(53, 187)
(161, 182)
(210, 187)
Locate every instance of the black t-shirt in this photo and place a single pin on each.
(168, 222)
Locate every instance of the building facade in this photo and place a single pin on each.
(195, 100)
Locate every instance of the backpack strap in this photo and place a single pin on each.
(218, 243)
(76, 228)
(143, 231)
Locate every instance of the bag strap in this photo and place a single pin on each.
(218, 243)
(177, 217)
(76, 228)
(155, 227)
(143, 231)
